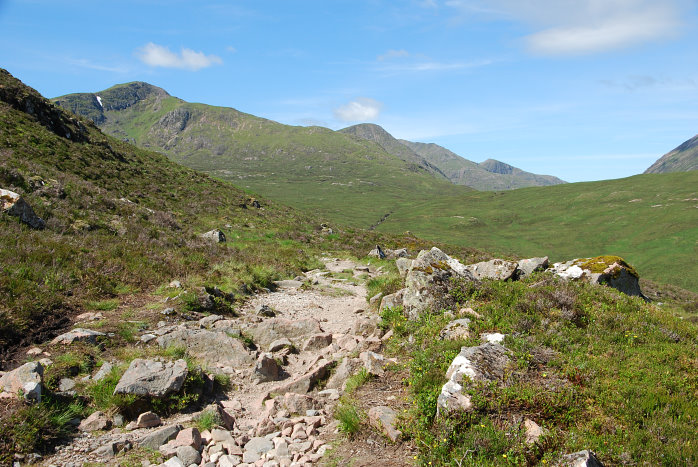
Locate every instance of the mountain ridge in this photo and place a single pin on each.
(680, 159)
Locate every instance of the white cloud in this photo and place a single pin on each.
(362, 109)
(434, 66)
(393, 54)
(159, 56)
(574, 27)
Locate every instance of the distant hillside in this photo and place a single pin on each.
(490, 175)
(339, 175)
(650, 220)
(681, 159)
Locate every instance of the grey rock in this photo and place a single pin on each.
(533, 431)
(309, 380)
(255, 448)
(403, 265)
(346, 368)
(26, 379)
(428, 282)
(229, 461)
(530, 265)
(158, 438)
(145, 338)
(486, 362)
(299, 403)
(174, 462)
(209, 321)
(373, 362)
(108, 450)
(457, 329)
(269, 330)
(397, 254)
(214, 235)
(103, 372)
(392, 300)
(584, 458)
(288, 284)
(617, 274)
(14, 205)
(280, 344)
(78, 335)
(374, 302)
(266, 311)
(318, 341)
(212, 348)
(97, 421)
(377, 252)
(365, 326)
(384, 418)
(267, 368)
(152, 378)
(168, 311)
(497, 269)
(148, 420)
(66, 384)
(188, 455)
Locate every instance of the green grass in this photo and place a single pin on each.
(597, 369)
(357, 380)
(207, 420)
(651, 221)
(103, 305)
(349, 417)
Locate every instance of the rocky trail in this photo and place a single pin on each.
(304, 340)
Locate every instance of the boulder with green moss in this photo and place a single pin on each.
(610, 270)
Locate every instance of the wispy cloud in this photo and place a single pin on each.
(390, 54)
(575, 27)
(639, 82)
(159, 56)
(85, 63)
(426, 66)
(362, 109)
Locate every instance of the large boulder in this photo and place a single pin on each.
(25, 380)
(213, 348)
(612, 271)
(497, 269)
(152, 378)
(530, 265)
(297, 331)
(428, 281)
(14, 205)
(214, 235)
(483, 363)
(584, 458)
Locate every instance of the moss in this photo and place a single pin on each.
(600, 263)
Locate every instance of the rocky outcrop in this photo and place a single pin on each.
(584, 458)
(269, 330)
(152, 378)
(496, 269)
(486, 362)
(14, 205)
(387, 253)
(213, 348)
(428, 281)
(456, 329)
(25, 380)
(530, 265)
(612, 271)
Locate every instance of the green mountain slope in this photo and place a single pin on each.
(490, 175)
(681, 159)
(650, 220)
(338, 175)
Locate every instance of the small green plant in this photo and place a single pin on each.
(356, 381)
(348, 416)
(207, 420)
(103, 305)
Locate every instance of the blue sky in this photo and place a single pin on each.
(584, 90)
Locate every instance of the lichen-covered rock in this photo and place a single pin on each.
(393, 300)
(214, 348)
(267, 369)
(403, 265)
(486, 362)
(497, 269)
(152, 378)
(608, 270)
(14, 205)
(428, 281)
(456, 329)
(25, 380)
(346, 368)
(97, 421)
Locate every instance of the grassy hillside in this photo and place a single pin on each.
(340, 176)
(681, 159)
(650, 220)
(489, 175)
